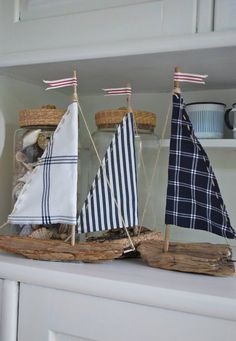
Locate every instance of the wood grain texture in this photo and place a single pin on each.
(55, 250)
(204, 258)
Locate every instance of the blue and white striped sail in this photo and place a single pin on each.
(50, 194)
(112, 200)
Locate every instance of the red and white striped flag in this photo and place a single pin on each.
(118, 91)
(189, 77)
(61, 83)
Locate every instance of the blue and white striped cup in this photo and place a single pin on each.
(207, 119)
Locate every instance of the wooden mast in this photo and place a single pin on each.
(167, 228)
(129, 99)
(75, 98)
(177, 83)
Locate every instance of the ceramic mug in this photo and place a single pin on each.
(207, 119)
(230, 119)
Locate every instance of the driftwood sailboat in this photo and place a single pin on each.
(49, 196)
(193, 201)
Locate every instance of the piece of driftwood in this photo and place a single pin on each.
(56, 250)
(204, 258)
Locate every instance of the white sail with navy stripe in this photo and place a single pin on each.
(50, 194)
(112, 200)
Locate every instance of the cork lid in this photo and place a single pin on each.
(47, 115)
(110, 117)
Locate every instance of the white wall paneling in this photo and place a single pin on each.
(119, 301)
(205, 16)
(35, 9)
(9, 310)
(66, 316)
(225, 14)
(93, 31)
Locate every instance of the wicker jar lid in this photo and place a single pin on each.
(111, 117)
(47, 115)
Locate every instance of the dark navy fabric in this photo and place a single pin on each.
(193, 195)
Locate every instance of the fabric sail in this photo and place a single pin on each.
(193, 195)
(50, 194)
(112, 200)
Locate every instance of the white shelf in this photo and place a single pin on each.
(129, 281)
(210, 143)
(148, 73)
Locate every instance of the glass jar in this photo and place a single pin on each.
(30, 141)
(147, 145)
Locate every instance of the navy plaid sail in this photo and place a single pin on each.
(193, 195)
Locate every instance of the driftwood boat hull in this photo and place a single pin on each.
(203, 258)
(55, 250)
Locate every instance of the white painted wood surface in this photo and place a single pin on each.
(1, 293)
(129, 281)
(9, 310)
(72, 316)
(78, 302)
(205, 13)
(122, 22)
(219, 144)
(225, 14)
(39, 9)
(94, 32)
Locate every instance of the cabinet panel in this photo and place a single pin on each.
(1, 293)
(57, 315)
(90, 29)
(225, 13)
(8, 310)
(63, 337)
(35, 9)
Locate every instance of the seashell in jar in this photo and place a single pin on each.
(43, 139)
(30, 138)
(64, 228)
(16, 190)
(33, 152)
(26, 230)
(41, 233)
(22, 158)
(25, 177)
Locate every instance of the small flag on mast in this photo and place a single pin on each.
(189, 77)
(61, 83)
(118, 91)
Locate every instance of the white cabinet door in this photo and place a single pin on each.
(225, 15)
(57, 315)
(1, 293)
(62, 30)
(8, 310)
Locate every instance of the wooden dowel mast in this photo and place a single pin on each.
(167, 228)
(129, 100)
(167, 238)
(75, 93)
(72, 235)
(75, 99)
(177, 83)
